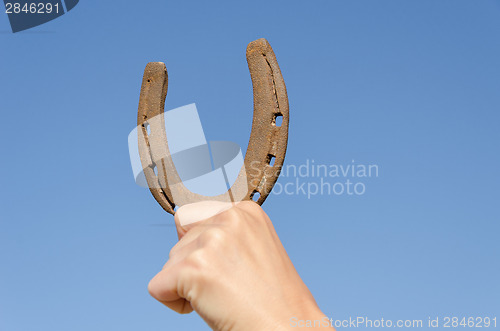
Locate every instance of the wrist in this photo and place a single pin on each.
(310, 317)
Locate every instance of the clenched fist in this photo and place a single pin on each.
(232, 270)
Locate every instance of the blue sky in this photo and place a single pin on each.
(411, 86)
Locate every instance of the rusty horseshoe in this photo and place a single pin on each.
(268, 139)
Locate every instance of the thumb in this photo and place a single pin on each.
(188, 216)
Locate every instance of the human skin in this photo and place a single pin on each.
(234, 272)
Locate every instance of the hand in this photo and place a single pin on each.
(234, 272)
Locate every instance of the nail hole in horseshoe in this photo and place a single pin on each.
(255, 196)
(270, 160)
(147, 127)
(278, 120)
(155, 169)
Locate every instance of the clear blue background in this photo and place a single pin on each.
(412, 86)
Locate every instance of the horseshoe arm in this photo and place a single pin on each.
(268, 141)
(151, 108)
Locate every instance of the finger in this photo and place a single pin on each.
(181, 306)
(164, 288)
(188, 216)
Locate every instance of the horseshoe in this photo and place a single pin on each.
(268, 139)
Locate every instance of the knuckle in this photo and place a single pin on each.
(253, 211)
(251, 208)
(235, 218)
(197, 260)
(213, 237)
(249, 205)
(230, 217)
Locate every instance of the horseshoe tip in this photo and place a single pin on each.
(259, 45)
(155, 67)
